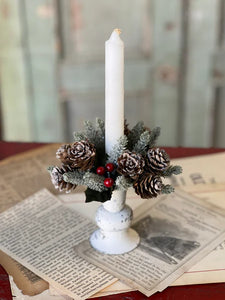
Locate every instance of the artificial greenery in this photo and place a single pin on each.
(143, 142)
(134, 134)
(130, 151)
(123, 183)
(118, 149)
(172, 170)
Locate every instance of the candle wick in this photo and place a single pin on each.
(117, 30)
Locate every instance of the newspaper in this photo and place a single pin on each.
(210, 269)
(21, 176)
(203, 169)
(176, 232)
(41, 234)
(25, 173)
(26, 280)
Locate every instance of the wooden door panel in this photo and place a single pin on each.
(88, 107)
(15, 95)
(90, 24)
(89, 78)
(199, 93)
(53, 51)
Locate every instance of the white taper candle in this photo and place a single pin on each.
(114, 89)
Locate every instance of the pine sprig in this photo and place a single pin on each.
(134, 134)
(143, 142)
(94, 182)
(79, 136)
(90, 132)
(75, 177)
(100, 128)
(123, 183)
(117, 149)
(167, 189)
(172, 170)
(91, 180)
(154, 134)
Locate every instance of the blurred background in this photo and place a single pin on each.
(52, 67)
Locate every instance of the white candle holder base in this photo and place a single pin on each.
(114, 219)
(115, 242)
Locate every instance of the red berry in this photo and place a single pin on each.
(108, 182)
(100, 171)
(110, 167)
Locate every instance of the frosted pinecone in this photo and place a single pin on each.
(63, 154)
(148, 186)
(157, 160)
(82, 155)
(57, 179)
(130, 164)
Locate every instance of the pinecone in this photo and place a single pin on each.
(57, 179)
(130, 164)
(148, 186)
(63, 154)
(126, 128)
(82, 155)
(157, 160)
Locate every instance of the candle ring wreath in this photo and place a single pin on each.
(134, 161)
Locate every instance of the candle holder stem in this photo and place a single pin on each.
(114, 218)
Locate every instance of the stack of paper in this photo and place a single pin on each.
(49, 251)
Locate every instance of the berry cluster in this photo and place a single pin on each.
(107, 172)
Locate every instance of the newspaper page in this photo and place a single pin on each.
(210, 269)
(176, 233)
(41, 234)
(28, 282)
(24, 174)
(21, 176)
(203, 169)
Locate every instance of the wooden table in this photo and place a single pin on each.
(214, 291)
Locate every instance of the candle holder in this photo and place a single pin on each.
(133, 161)
(114, 219)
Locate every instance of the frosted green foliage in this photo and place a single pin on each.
(91, 180)
(122, 183)
(100, 128)
(141, 139)
(118, 149)
(79, 136)
(90, 132)
(94, 134)
(154, 134)
(94, 182)
(75, 177)
(172, 170)
(143, 142)
(135, 133)
(167, 189)
(100, 135)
